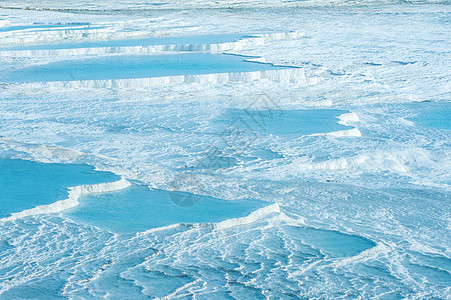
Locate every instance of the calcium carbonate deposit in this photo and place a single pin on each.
(257, 149)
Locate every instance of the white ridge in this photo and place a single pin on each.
(252, 217)
(278, 75)
(353, 132)
(344, 119)
(251, 40)
(348, 117)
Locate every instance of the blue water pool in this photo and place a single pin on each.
(331, 243)
(138, 208)
(27, 184)
(282, 122)
(140, 66)
(176, 40)
(434, 115)
(39, 26)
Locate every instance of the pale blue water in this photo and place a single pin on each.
(141, 66)
(434, 115)
(284, 122)
(175, 40)
(138, 208)
(332, 243)
(40, 26)
(27, 184)
(69, 29)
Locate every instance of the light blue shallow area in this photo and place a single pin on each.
(332, 243)
(176, 40)
(138, 208)
(39, 26)
(27, 184)
(434, 115)
(140, 66)
(282, 122)
(69, 29)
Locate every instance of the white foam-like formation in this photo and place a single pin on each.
(274, 75)
(245, 41)
(365, 255)
(4, 23)
(376, 161)
(353, 132)
(345, 119)
(254, 216)
(74, 194)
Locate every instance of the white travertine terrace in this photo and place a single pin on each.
(279, 75)
(241, 43)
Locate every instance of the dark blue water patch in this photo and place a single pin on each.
(26, 184)
(138, 66)
(281, 122)
(433, 115)
(138, 208)
(176, 40)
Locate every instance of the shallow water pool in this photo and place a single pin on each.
(138, 208)
(176, 40)
(139, 66)
(26, 184)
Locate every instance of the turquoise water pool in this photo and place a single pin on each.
(40, 26)
(434, 115)
(283, 122)
(26, 184)
(175, 40)
(138, 208)
(139, 66)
